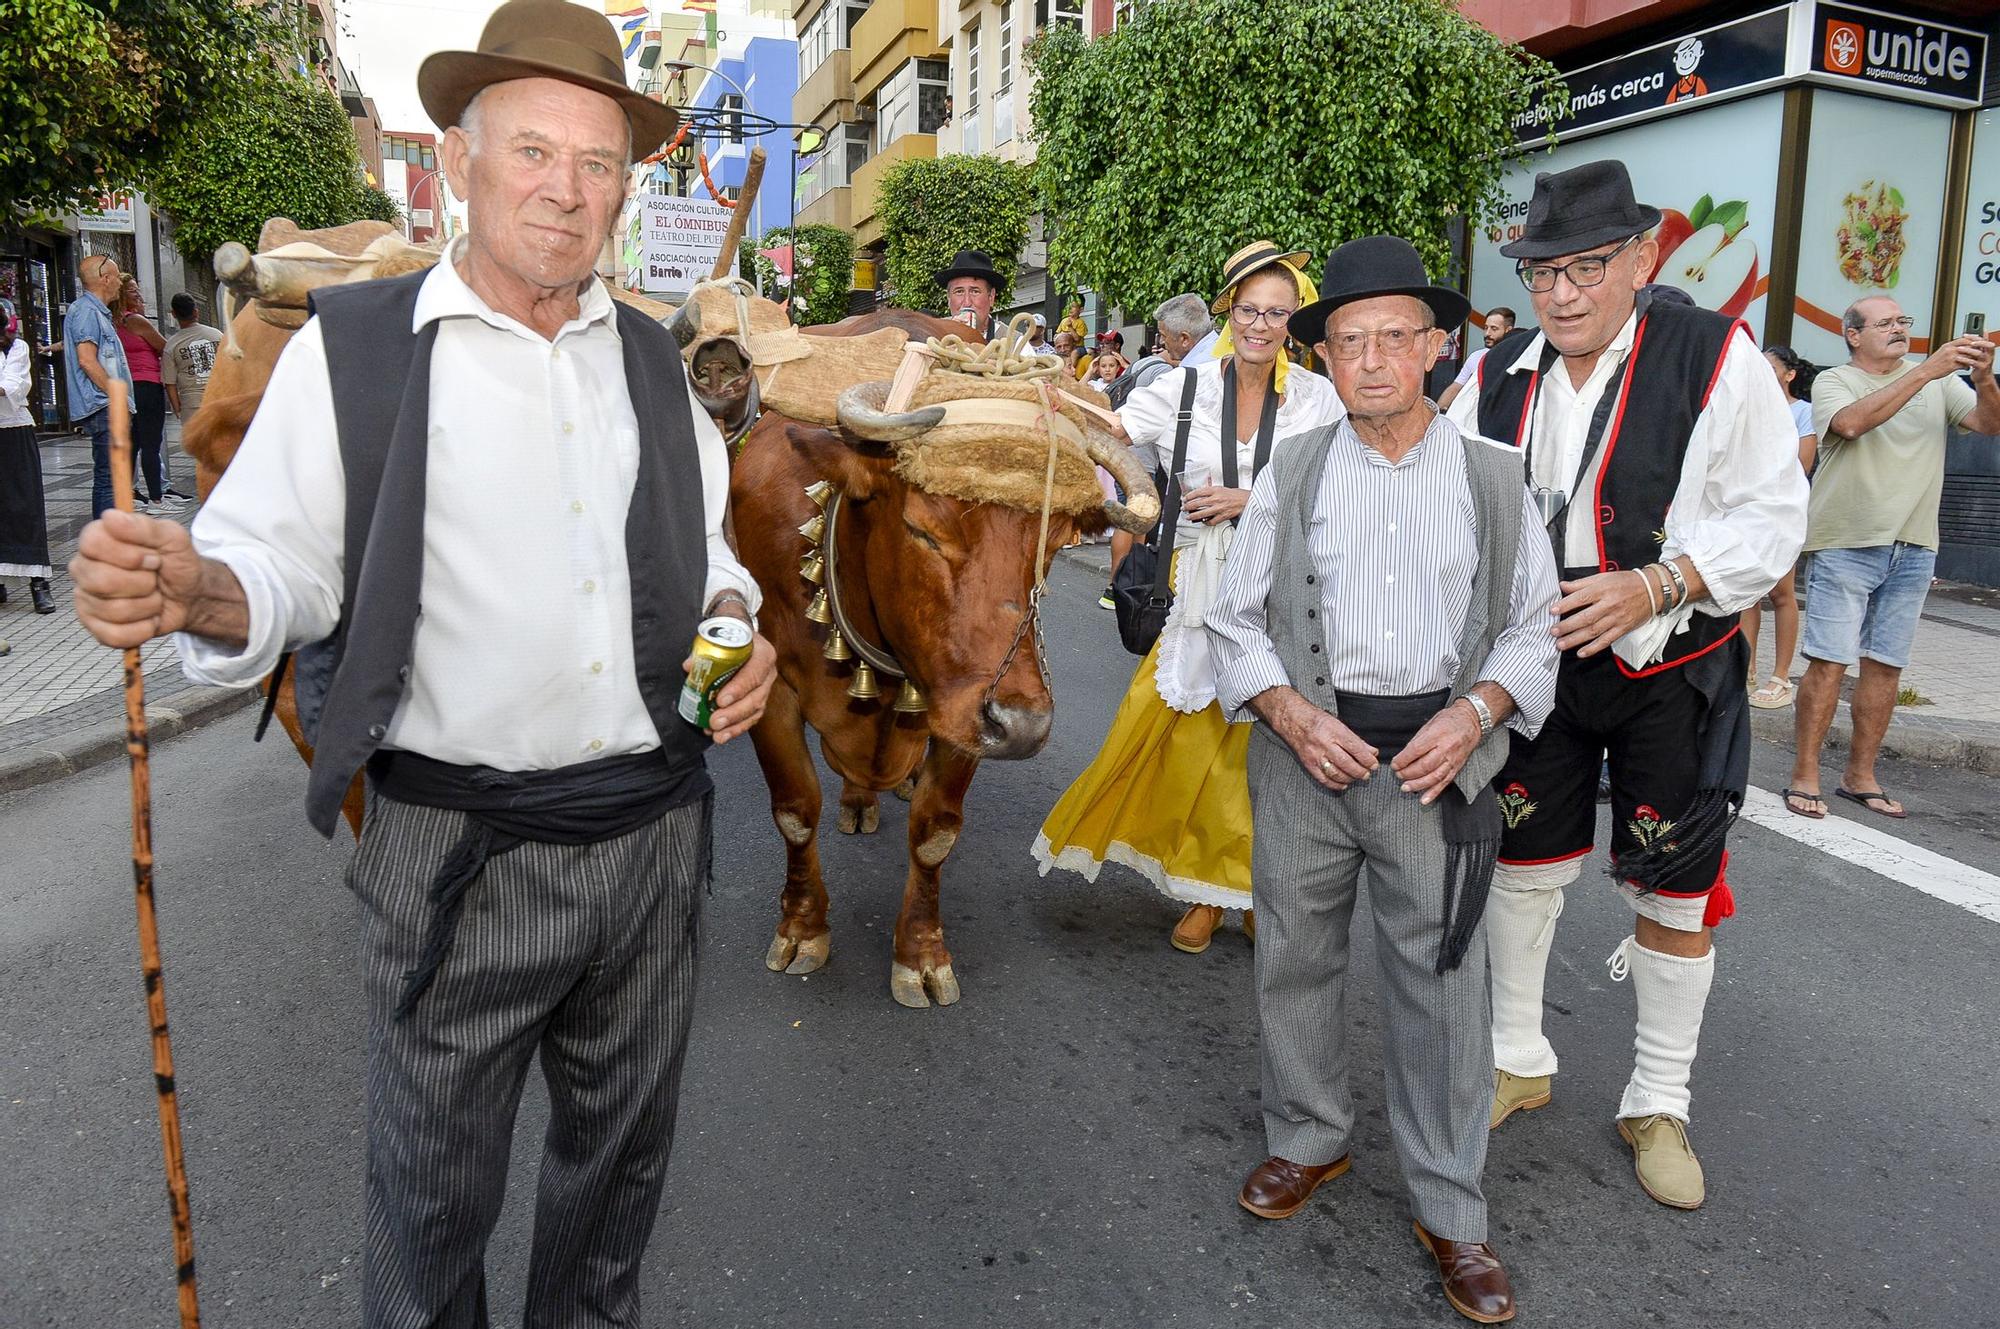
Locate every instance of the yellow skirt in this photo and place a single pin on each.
(1166, 796)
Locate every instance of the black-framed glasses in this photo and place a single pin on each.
(1586, 271)
(1249, 315)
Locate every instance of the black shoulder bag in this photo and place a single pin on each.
(1139, 589)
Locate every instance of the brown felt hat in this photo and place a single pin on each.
(543, 39)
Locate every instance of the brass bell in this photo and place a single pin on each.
(863, 687)
(836, 648)
(820, 492)
(813, 568)
(909, 701)
(817, 610)
(815, 529)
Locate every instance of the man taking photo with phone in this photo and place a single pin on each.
(1872, 529)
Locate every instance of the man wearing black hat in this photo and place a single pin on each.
(1386, 603)
(971, 284)
(1664, 466)
(536, 848)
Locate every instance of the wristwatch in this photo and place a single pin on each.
(1479, 708)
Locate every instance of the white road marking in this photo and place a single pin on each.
(1867, 847)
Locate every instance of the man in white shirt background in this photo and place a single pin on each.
(537, 839)
(1500, 321)
(186, 362)
(1662, 458)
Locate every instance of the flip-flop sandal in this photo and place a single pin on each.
(1869, 801)
(1791, 794)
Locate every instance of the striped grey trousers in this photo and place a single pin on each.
(1438, 1041)
(584, 953)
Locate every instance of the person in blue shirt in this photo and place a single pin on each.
(94, 357)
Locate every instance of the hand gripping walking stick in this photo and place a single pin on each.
(137, 747)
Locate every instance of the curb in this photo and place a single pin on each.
(102, 741)
(1912, 742)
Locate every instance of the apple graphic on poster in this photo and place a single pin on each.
(1704, 252)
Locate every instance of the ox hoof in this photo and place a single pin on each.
(907, 790)
(794, 956)
(860, 821)
(918, 990)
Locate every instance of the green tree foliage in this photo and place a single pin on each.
(822, 272)
(1166, 145)
(273, 145)
(90, 90)
(932, 208)
(374, 204)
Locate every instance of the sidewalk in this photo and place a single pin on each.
(1955, 668)
(62, 697)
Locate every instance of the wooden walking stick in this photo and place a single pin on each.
(136, 746)
(739, 217)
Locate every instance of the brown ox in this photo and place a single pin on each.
(945, 586)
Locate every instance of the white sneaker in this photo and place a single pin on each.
(170, 502)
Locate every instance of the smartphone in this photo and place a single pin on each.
(1975, 325)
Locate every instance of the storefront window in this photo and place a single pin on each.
(1979, 271)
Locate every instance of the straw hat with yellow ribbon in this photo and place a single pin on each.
(1255, 257)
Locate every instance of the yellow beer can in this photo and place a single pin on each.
(721, 647)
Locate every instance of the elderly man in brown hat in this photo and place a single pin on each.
(537, 840)
(1664, 465)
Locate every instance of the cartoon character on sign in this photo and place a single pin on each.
(1687, 58)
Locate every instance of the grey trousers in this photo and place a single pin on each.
(1438, 1045)
(585, 954)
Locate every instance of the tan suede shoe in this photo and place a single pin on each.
(1664, 1160)
(1517, 1093)
(1250, 924)
(1196, 927)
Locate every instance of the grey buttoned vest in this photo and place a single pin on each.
(1291, 609)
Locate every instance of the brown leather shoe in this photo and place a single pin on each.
(1279, 1188)
(1474, 1281)
(1197, 926)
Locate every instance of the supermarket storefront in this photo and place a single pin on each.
(1805, 155)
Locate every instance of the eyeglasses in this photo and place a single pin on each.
(1588, 271)
(1905, 322)
(1395, 342)
(1250, 316)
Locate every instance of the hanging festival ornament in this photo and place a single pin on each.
(863, 687)
(817, 610)
(813, 567)
(909, 700)
(820, 492)
(815, 529)
(836, 648)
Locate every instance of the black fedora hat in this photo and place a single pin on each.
(1581, 208)
(969, 263)
(1374, 266)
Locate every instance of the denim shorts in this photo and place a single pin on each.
(1864, 603)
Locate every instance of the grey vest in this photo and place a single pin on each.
(1291, 608)
(350, 684)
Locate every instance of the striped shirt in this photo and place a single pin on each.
(1395, 550)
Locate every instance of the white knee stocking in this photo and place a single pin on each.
(1672, 992)
(1521, 915)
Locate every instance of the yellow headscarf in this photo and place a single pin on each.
(1226, 344)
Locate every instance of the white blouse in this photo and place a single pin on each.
(1184, 676)
(17, 380)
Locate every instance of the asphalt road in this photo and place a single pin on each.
(1062, 1148)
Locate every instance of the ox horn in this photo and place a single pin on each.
(272, 280)
(685, 324)
(860, 413)
(1142, 506)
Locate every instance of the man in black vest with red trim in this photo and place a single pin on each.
(505, 659)
(1662, 458)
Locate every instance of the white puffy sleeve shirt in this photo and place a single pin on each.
(523, 656)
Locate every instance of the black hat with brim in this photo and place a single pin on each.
(1370, 268)
(969, 263)
(1579, 209)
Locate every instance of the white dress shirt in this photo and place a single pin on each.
(523, 656)
(1739, 511)
(1183, 676)
(1395, 546)
(17, 380)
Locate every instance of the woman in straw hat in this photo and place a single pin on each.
(1166, 795)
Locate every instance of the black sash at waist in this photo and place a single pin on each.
(1389, 723)
(580, 804)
